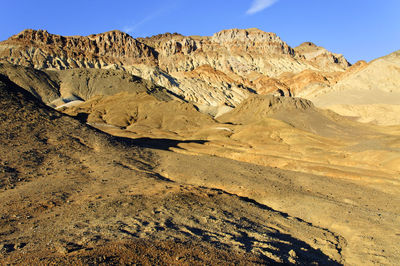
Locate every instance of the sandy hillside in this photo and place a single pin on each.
(371, 94)
(79, 195)
(37, 82)
(57, 88)
(331, 163)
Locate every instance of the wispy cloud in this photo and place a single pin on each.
(166, 7)
(259, 5)
(134, 26)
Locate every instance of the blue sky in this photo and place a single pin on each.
(359, 29)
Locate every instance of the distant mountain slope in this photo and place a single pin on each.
(40, 84)
(143, 113)
(295, 112)
(87, 83)
(59, 87)
(194, 67)
(371, 92)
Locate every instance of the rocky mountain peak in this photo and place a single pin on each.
(155, 40)
(35, 36)
(42, 49)
(308, 44)
(252, 41)
(115, 36)
(321, 57)
(244, 35)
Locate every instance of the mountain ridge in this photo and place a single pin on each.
(245, 55)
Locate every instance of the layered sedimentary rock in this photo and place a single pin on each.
(214, 72)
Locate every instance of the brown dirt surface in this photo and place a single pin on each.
(143, 252)
(307, 162)
(68, 188)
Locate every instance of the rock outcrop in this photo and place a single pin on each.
(42, 50)
(322, 58)
(212, 72)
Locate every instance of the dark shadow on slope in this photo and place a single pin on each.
(288, 249)
(159, 144)
(303, 253)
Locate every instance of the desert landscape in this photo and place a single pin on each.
(234, 148)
